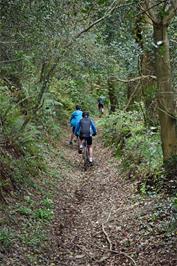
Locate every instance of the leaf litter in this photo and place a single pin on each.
(100, 219)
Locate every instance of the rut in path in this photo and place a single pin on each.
(101, 220)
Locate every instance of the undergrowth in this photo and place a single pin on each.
(27, 176)
(24, 145)
(137, 147)
(25, 220)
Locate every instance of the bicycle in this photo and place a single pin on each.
(85, 155)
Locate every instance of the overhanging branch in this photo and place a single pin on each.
(149, 10)
(107, 14)
(171, 12)
(137, 78)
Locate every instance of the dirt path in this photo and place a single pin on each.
(101, 220)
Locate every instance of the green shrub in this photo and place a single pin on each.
(22, 150)
(6, 237)
(44, 214)
(137, 147)
(48, 203)
(175, 202)
(25, 211)
(34, 237)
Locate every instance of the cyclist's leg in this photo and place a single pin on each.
(80, 144)
(72, 135)
(90, 149)
(99, 107)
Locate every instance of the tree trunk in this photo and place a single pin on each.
(112, 94)
(166, 96)
(147, 87)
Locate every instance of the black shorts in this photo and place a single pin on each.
(88, 139)
(100, 105)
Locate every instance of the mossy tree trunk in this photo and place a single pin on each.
(166, 96)
(112, 93)
(161, 15)
(147, 87)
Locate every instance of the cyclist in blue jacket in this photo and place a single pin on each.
(75, 118)
(85, 129)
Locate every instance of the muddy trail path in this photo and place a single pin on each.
(100, 219)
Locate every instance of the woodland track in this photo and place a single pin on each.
(100, 219)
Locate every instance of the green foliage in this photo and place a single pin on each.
(6, 237)
(34, 239)
(23, 149)
(48, 203)
(175, 202)
(25, 211)
(137, 147)
(44, 214)
(47, 68)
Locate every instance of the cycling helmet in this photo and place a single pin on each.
(85, 114)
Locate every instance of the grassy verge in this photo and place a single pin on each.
(24, 221)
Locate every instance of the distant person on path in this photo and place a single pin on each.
(85, 129)
(76, 116)
(101, 105)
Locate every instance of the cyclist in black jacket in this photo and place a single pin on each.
(85, 129)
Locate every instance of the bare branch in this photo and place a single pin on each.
(174, 3)
(111, 9)
(6, 42)
(150, 12)
(137, 78)
(171, 12)
(173, 41)
(10, 61)
(144, 11)
(131, 96)
(107, 14)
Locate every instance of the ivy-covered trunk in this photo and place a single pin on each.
(112, 93)
(166, 96)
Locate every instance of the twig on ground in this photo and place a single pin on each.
(109, 215)
(87, 253)
(2, 198)
(107, 237)
(115, 251)
(125, 254)
(83, 248)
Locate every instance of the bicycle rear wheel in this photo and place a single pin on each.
(85, 155)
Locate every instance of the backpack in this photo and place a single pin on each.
(85, 124)
(100, 101)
